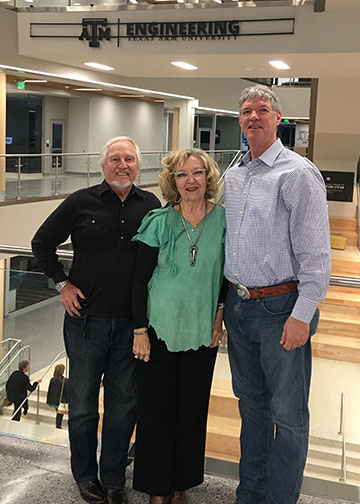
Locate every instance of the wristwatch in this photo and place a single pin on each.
(60, 285)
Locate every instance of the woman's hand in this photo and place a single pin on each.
(217, 330)
(141, 345)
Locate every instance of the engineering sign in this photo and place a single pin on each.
(94, 30)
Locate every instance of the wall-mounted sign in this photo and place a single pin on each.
(339, 185)
(94, 30)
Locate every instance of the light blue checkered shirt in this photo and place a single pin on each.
(278, 226)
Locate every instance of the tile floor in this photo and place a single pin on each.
(39, 473)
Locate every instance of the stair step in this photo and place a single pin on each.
(320, 443)
(223, 436)
(223, 403)
(342, 296)
(341, 348)
(330, 473)
(343, 224)
(345, 266)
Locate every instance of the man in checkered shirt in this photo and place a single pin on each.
(278, 265)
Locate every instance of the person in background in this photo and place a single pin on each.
(17, 388)
(96, 295)
(58, 392)
(278, 265)
(178, 312)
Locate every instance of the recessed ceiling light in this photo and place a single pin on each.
(180, 1)
(98, 66)
(185, 66)
(280, 65)
(218, 1)
(87, 89)
(133, 2)
(76, 4)
(94, 82)
(34, 81)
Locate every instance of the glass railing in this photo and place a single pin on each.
(34, 315)
(124, 3)
(47, 175)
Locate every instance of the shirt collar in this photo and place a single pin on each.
(269, 156)
(104, 187)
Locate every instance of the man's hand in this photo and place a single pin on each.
(142, 346)
(295, 334)
(69, 299)
(39, 380)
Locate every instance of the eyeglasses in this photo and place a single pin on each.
(197, 174)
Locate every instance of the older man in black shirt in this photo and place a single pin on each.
(96, 295)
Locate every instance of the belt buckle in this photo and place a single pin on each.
(242, 292)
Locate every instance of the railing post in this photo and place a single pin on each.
(342, 432)
(18, 182)
(88, 170)
(37, 421)
(56, 192)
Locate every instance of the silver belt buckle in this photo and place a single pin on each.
(242, 292)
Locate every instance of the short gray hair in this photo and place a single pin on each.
(260, 91)
(104, 150)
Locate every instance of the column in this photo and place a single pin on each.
(2, 128)
(184, 113)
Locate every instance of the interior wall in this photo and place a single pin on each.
(337, 133)
(28, 218)
(78, 134)
(110, 117)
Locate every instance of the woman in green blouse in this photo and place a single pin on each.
(178, 311)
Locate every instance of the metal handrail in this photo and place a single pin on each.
(56, 164)
(8, 353)
(219, 198)
(342, 432)
(15, 356)
(338, 281)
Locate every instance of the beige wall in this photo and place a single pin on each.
(19, 222)
(337, 133)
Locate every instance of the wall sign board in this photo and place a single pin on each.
(95, 30)
(339, 185)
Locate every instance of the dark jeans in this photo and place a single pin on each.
(25, 407)
(98, 347)
(58, 420)
(174, 390)
(272, 385)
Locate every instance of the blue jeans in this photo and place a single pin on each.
(97, 347)
(272, 386)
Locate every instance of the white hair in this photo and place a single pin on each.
(104, 150)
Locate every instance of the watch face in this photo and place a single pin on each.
(242, 292)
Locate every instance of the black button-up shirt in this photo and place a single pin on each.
(101, 227)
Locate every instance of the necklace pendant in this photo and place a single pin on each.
(193, 254)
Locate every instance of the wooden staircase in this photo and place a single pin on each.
(345, 226)
(223, 431)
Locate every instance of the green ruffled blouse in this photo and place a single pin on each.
(182, 298)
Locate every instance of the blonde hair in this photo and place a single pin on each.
(176, 160)
(59, 370)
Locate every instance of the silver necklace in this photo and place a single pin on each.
(193, 250)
